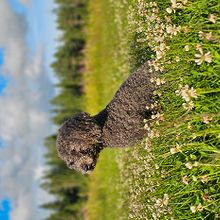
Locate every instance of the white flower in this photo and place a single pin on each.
(177, 59)
(159, 54)
(212, 18)
(146, 127)
(186, 93)
(185, 180)
(175, 5)
(165, 199)
(162, 202)
(194, 178)
(193, 209)
(206, 119)
(200, 58)
(189, 165)
(201, 34)
(186, 48)
(192, 93)
(173, 150)
(160, 116)
(163, 46)
(176, 149)
(173, 30)
(159, 81)
(208, 36)
(188, 106)
(199, 48)
(159, 202)
(204, 179)
(152, 80)
(153, 134)
(200, 207)
(168, 19)
(178, 92)
(169, 10)
(147, 143)
(157, 167)
(183, 92)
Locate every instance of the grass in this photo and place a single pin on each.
(102, 79)
(102, 75)
(174, 174)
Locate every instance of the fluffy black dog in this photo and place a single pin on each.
(82, 137)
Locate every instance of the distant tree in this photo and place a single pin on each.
(68, 187)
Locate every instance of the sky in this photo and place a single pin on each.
(28, 40)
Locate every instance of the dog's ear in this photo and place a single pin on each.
(79, 133)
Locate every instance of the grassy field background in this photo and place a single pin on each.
(103, 77)
(174, 174)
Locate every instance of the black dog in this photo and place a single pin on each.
(120, 124)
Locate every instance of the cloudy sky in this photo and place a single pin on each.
(27, 43)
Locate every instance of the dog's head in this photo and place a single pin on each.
(79, 142)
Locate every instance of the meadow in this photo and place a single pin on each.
(174, 173)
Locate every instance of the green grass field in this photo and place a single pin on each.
(103, 77)
(174, 174)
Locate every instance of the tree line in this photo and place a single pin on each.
(68, 186)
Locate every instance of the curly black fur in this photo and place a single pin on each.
(82, 137)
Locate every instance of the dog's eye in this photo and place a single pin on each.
(85, 152)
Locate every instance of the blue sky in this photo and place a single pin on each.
(3, 79)
(26, 51)
(1, 56)
(16, 6)
(4, 209)
(3, 84)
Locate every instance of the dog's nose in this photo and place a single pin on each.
(87, 167)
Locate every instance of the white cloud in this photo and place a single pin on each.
(12, 32)
(12, 117)
(22, 209)
(34, 70)
(24, 117)
(39, 172)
